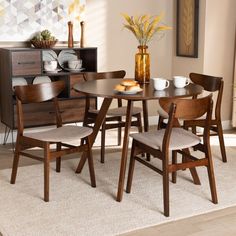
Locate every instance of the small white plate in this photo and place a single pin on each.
(129, 92)
(53, 71)
(18, 81)
(74, 70)
(41, 79)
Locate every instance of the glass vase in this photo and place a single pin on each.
(142, 65)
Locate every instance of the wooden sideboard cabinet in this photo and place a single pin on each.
(27, 63)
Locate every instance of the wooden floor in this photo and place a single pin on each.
(217, 223)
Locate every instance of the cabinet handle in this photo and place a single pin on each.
(26, 63)
(53, 112)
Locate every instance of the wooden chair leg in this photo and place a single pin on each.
(221, 140)
(211, 177)
(166, 187)
(131, 169)
(119, 134)
(193, 171)
(46, 172)
(140, 130)
(194, 131)
(82, 142)
(81, 163)
(103, 142)
(139, 120)
(15, 162)
(160, 121)
(58, 160)
(174, 161)
(90, 163)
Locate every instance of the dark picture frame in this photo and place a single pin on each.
(187, 28)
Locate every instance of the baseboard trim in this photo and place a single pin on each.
(227, 124)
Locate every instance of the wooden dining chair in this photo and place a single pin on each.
(61, 136)
(176, 139)
(210, 84)
(114, 115)
(214, 85)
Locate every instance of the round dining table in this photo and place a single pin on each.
(105, 88)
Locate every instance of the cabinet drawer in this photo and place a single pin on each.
(44, 114)
(26, 63)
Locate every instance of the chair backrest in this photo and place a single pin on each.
(210, 84)
(186, 109)
(104, 75)
(34, 93)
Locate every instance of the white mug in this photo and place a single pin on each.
(160, 83)
(50, 65)
(75, 64)
(181, 81)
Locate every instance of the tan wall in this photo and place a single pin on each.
(185, 65)
(217, 20)
(117, 46)
(219, 47)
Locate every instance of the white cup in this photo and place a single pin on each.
(75, 64)
(50, 65)
(160, 83)
(181, 81)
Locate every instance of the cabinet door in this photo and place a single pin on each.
(26, 63)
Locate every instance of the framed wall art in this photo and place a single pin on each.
(20, 19)
(187, 28)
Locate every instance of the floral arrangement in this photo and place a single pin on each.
(144, 27)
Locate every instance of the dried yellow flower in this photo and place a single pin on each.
(144, 27)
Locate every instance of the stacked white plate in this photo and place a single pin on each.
(65, 56)
(18, 81)
(41, 79)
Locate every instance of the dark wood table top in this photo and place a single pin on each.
(105, 88)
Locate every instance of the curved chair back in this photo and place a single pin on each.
(187, 109)
(34, 93)
(210, 84)
(104, 75)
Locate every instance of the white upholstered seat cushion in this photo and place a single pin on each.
(62, 134)
(179, 139)
(119, 111)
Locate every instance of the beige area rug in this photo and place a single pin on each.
(77, 209)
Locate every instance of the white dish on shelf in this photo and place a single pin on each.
(74, 70)
(41, 79)
(65, 56)
(49, 55)
(53, 71)
(129, 92)
(18, 81)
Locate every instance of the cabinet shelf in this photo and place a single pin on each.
(27, 63)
